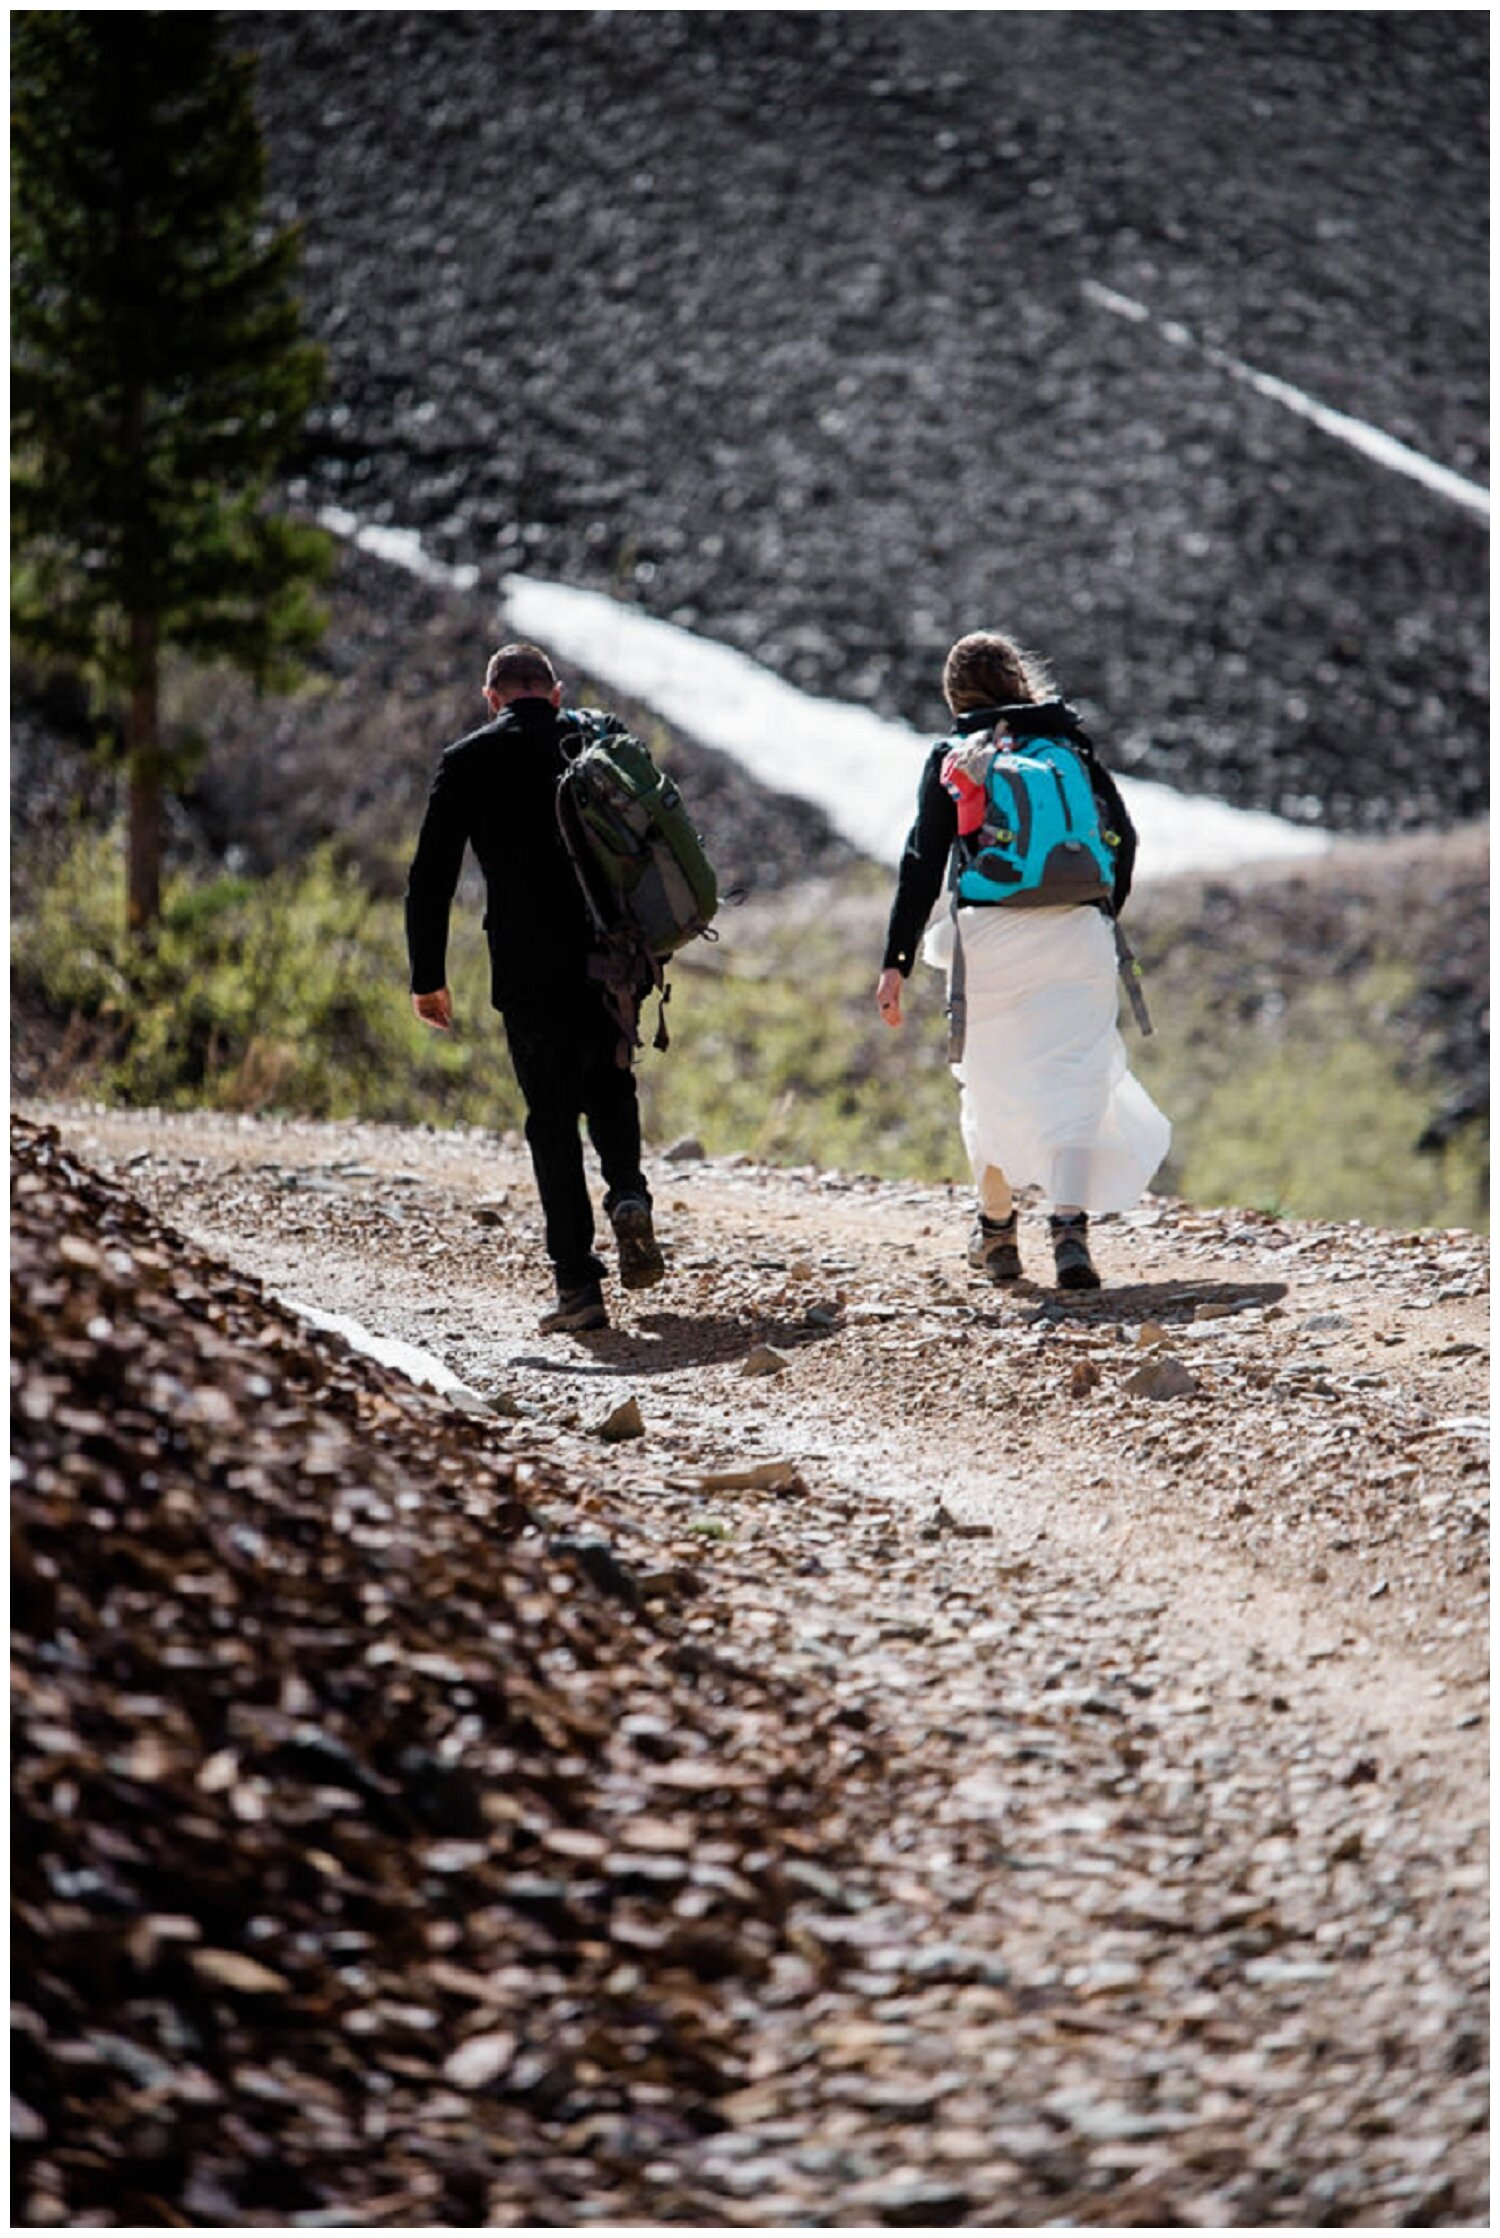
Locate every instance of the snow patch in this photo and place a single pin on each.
(861, 770)
(1371, 442)
(407, 1359)
(399, 547)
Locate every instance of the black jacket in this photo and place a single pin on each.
(496, 791)
(924, 859)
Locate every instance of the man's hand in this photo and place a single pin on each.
(888, 996)
(435, 1009)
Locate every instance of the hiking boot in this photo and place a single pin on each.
(1070, 1252)
(641, 1262)
(582, 1308)
(993, 1249)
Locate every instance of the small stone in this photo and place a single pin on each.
(600, 1565)
(625, 1422)
(812, 1880)
(687, 1150)
(943, 1519)
(490, 1212)
(763, 1359)
(1151, 1332)
(481, 2061)
(26, 2128)
(1166, 1378)
(758, 1476)
(1083, 1378)
(228, 1969)
(915, 2202)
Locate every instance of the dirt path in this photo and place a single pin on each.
(1180, 1899)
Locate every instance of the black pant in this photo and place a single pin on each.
(564, 1049)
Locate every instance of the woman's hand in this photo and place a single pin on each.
(888, 996)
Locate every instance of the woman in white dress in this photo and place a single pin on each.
(1048, 1098)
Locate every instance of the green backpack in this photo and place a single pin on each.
(647, 882)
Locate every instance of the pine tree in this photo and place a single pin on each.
(159, 378)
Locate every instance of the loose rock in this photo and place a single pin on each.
(1164, 1378)
(623, 1421)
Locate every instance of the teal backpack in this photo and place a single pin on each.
(646, 879)
(1040, 845)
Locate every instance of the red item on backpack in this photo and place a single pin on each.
(967, 791)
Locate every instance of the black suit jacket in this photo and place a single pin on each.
(496, 791)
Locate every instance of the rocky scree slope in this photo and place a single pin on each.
(779, 325)
(363, 1827)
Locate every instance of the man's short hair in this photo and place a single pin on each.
(985, 669)
(520, 668)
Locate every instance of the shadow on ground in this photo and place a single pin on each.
(1167, 1302)
(662, 1342)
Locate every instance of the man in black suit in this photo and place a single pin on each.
(496, 791)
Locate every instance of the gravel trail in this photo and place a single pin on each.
(1173, 1899)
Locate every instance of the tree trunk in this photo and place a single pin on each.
(143, 767)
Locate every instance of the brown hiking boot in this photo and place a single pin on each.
(994, 1249)
(583, 1308)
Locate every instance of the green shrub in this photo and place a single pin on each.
(1312, 1115)
(287, 994)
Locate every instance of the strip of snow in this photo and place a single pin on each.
(1372, 442)
(399, 547)
(859, 769)
(407, 1359)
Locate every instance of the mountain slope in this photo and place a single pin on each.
(779, 324)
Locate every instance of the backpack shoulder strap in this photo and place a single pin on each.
(958, 991)
(1130, 972)
(587, 726)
